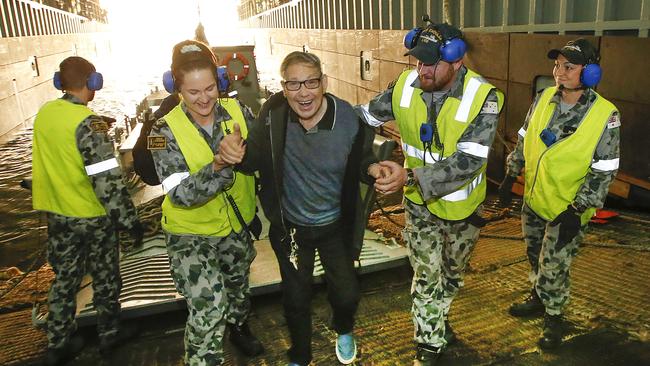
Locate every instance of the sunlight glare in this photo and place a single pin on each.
(142, 34)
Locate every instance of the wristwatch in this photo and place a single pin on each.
(579, 209)
(410, 178)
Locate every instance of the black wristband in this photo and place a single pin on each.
(577, 208)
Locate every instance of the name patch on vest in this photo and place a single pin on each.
(490, 108)
(156, 142)
(99, 126)
(613, 122)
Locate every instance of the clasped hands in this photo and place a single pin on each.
(232, 149)
(389, 176)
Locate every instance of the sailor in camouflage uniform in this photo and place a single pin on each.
(78, 182)
(569, 144)
(444, 174)
(206, 208)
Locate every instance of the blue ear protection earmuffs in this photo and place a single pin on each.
(57, 80)
(168, 81)
(223, 82)
(411, 38)
(451, 50)
(94, 82)
(591, 75)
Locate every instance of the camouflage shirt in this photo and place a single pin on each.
(95, 147)
(594, 190)
(200, 187)
(448, 175)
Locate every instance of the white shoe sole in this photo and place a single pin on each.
(341, 359)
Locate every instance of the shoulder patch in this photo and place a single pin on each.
(156, 142)
(613, 122)
(392, 84)
(99, 126)
(490, 107)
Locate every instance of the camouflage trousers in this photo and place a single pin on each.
(76, 246)
(438, 251)
(549, 262)
(212, 274)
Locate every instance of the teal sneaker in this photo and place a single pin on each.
(346, 348)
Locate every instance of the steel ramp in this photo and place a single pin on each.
(147, 286)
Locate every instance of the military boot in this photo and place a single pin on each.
(426, 355)
(552, 333)
(60, 356)
(531, 306)
(450, 336)
(244, 340)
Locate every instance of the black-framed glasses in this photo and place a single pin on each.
(293, 85)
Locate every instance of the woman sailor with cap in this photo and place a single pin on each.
(207, 208)
(569, 145)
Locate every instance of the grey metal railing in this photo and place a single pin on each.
(22, 18)
(597, 17)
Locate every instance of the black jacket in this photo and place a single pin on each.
(265, 153)
(142, 159)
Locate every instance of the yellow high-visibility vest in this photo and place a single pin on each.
(60, 183)
(455, 116)
(215, 217)
(554, 174)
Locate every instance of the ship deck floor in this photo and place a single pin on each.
(608, 319)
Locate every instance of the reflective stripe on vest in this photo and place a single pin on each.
(102, 166)
(606, 165)
(522, 132)
(173, 180)
(215, 217)
(554, 174)
(60, 183)
(454, 118)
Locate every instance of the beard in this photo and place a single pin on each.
(430, 83)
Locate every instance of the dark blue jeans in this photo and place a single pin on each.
(342, 284)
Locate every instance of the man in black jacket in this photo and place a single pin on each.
(311, 151)
(142, 160)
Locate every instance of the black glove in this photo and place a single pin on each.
(476, 220)
(136, 232)
(569, 221)
(26, 183)
(505, 191)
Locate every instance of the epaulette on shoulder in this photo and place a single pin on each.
(160, 123)
(97, 124)
(392, 84)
